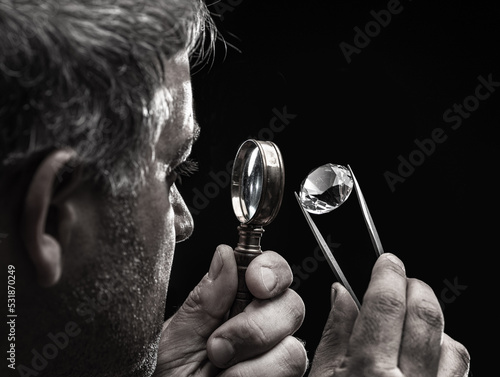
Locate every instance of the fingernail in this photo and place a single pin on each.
(396, 261)
(222, 351)
(268, 278)
(215, 266)
(333, 296)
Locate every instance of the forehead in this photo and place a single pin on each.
(174, 106)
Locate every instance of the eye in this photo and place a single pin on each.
(184, 169)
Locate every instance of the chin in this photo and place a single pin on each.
(147, 363)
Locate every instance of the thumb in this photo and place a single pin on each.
(335, 339)
(207, 304)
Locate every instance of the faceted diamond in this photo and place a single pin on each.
(326, 188)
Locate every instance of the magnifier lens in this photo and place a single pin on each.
(257, 182)
(251, 183)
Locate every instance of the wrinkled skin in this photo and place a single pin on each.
(397, 333)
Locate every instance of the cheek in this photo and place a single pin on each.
(156, 223)
(118, 292)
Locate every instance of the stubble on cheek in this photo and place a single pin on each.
(129, 273)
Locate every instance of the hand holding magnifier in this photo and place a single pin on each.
(257, 185)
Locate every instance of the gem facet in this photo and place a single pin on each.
(326, 188)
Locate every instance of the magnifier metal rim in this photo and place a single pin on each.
(273, 182)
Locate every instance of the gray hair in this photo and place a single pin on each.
(83, 74)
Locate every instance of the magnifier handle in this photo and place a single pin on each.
(247, 249)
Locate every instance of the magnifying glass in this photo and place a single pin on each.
(257, 185)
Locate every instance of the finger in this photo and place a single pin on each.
(423, 331)
(209, 301)
(376, 335)
(287, 359)
(333, 344)
(268, 275)
(262, 325)
(205, 308)
(455, 359)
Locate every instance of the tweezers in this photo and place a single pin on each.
(372, 230)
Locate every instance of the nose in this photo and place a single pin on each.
(183, 220)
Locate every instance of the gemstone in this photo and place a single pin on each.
(326, 188)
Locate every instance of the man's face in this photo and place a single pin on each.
(117, 265)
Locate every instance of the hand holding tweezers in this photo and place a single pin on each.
(372, 230)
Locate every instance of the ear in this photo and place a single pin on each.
(45, 249)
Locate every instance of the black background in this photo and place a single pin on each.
(440, 221)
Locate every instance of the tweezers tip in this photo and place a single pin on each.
(297, 197)
(350, 170)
